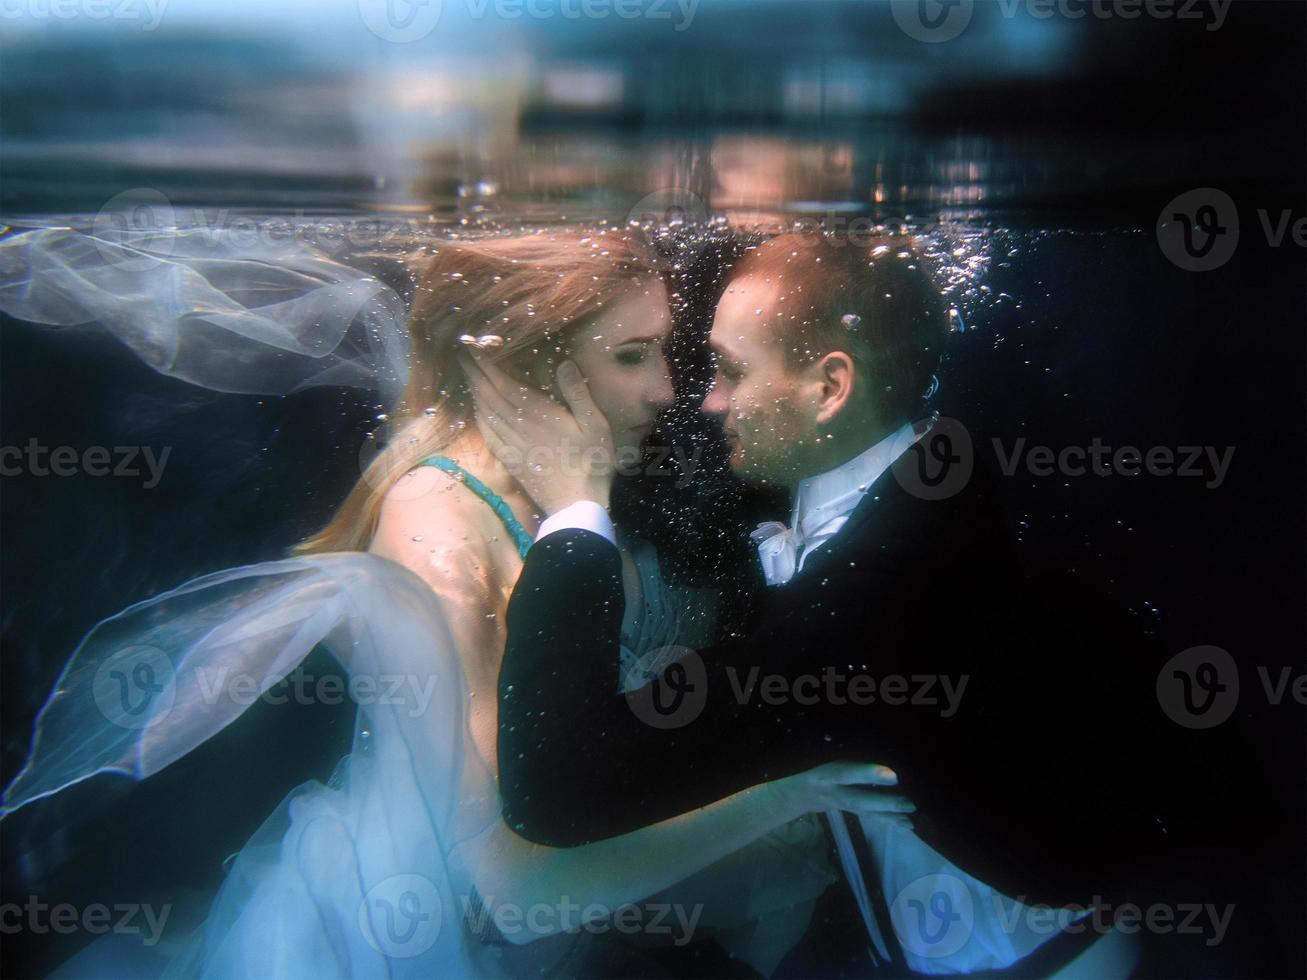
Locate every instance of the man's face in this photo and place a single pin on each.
(768, 414)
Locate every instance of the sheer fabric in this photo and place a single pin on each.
(255, 317)
(369, 876)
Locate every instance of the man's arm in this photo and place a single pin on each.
(564, 628)
(577, 763)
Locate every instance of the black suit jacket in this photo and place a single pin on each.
(908, 589)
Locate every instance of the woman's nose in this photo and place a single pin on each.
(660, 394)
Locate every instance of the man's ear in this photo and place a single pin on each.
(835, 378)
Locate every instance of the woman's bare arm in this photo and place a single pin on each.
(607, 874)
(437, 528)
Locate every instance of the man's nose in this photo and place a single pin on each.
(715, 403)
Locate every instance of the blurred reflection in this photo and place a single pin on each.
(748, 104)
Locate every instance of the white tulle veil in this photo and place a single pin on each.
(368, 876)
(254, 316)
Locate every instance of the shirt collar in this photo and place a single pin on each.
(837, 492)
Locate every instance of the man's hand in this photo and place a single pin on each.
(559, 453)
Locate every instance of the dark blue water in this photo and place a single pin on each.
(1084, 330)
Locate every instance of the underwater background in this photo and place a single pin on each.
(1040, 152)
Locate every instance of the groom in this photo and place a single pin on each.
(887, 634)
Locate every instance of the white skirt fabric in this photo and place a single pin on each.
(369, 876)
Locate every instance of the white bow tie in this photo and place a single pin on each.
(778, 548)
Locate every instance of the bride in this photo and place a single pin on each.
(401, 864)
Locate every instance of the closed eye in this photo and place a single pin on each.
(728, 369)
(632, 354)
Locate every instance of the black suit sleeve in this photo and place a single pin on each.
(560, 664)
(577, 763)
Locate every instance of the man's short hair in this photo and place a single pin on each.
(878, 303)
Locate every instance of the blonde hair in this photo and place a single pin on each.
(523, 296)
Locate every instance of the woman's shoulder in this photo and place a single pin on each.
(429, 512)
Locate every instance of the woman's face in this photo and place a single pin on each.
(621, 357)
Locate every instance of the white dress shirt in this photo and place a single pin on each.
(823, 504)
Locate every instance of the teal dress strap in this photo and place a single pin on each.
(505, 513)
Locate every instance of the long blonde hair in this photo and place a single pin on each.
(522, 296)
